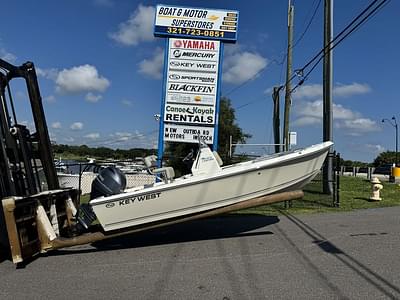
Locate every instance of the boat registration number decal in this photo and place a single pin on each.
(140, 198)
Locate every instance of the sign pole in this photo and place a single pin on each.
(218, 98)
(160, 153)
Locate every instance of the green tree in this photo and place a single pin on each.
(227, 128)
(387, 157)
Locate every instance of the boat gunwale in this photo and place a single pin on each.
(311, 151)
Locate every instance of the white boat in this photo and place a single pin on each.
(208, 187)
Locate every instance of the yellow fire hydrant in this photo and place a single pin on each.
(376, 187)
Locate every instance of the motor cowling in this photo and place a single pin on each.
(110, 181)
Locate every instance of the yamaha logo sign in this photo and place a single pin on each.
(178, 43)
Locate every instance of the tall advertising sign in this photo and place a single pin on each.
(192, 71)
(196, 23)
(191, 90)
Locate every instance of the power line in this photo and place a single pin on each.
(281, 61)
(308, 25)
(334, 41)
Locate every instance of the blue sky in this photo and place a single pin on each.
(100, 67)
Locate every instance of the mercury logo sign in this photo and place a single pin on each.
(178, 53)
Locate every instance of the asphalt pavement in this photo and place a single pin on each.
(352, 255)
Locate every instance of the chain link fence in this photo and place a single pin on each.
(81, 176)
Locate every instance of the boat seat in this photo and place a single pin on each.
(167, 173)
(218, 158)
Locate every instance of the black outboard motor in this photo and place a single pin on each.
(110, 181)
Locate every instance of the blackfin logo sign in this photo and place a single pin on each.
(192, 88)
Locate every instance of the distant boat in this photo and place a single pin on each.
(134, 176)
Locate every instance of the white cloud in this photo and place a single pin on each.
(139, 27)
(7, 56)
(312, 91)
(308, 91)
(307, 121)
(93, 136)
(83, 78)
(310, 113)
(56, 125)
(123, 136)
(76, 126)
(375, 148)
(51, 73)
(153, 67)
(69, 139)
(127, 102)
(90, 97)
(359, 126)
(314, 109)
(351, 89)
(242, 66)
(50, 99)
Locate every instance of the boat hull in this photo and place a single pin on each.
(192, 195)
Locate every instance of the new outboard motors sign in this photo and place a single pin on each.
(192, 70)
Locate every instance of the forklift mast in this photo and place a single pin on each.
(26, 159)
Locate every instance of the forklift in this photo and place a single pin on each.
(36, 215)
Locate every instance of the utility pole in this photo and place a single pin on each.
(327, 95)
(288, 87)
(276, 118)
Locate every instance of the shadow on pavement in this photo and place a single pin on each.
(228, 226)
(214, 228)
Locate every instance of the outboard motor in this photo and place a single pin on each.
(110, 181)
